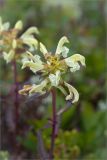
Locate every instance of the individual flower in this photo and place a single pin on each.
(52, 67)
(12, 43)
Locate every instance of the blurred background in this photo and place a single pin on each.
(83, 128)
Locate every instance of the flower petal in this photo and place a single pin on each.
(65, 51)
(30, 31)
(55, 78)
(9, 56)
(31, 89)
(78, 58)
(30, 41)
(18, 25)
(14, 44)
(35, 64)
(73, 62)
(39, 88)
(36, 58)
(73, 93)
(43, 49)
(61, 42)
(5, 26)
(25, 90)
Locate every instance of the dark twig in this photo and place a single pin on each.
(54, 122)
(64, 109)
(16, 102)
(42, 152)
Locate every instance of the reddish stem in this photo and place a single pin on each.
(16, 102)
(54, 122)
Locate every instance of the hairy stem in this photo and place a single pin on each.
(54, 122)
(16, 102)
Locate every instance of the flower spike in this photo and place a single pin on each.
(11, 43)
(52, 70)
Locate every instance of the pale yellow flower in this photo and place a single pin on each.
(11, 44)
(54, 79)
(52, 67)
(35, 64)
(30, 89)
(4, 26)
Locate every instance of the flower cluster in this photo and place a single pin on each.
(11, 44)
(52, 67)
